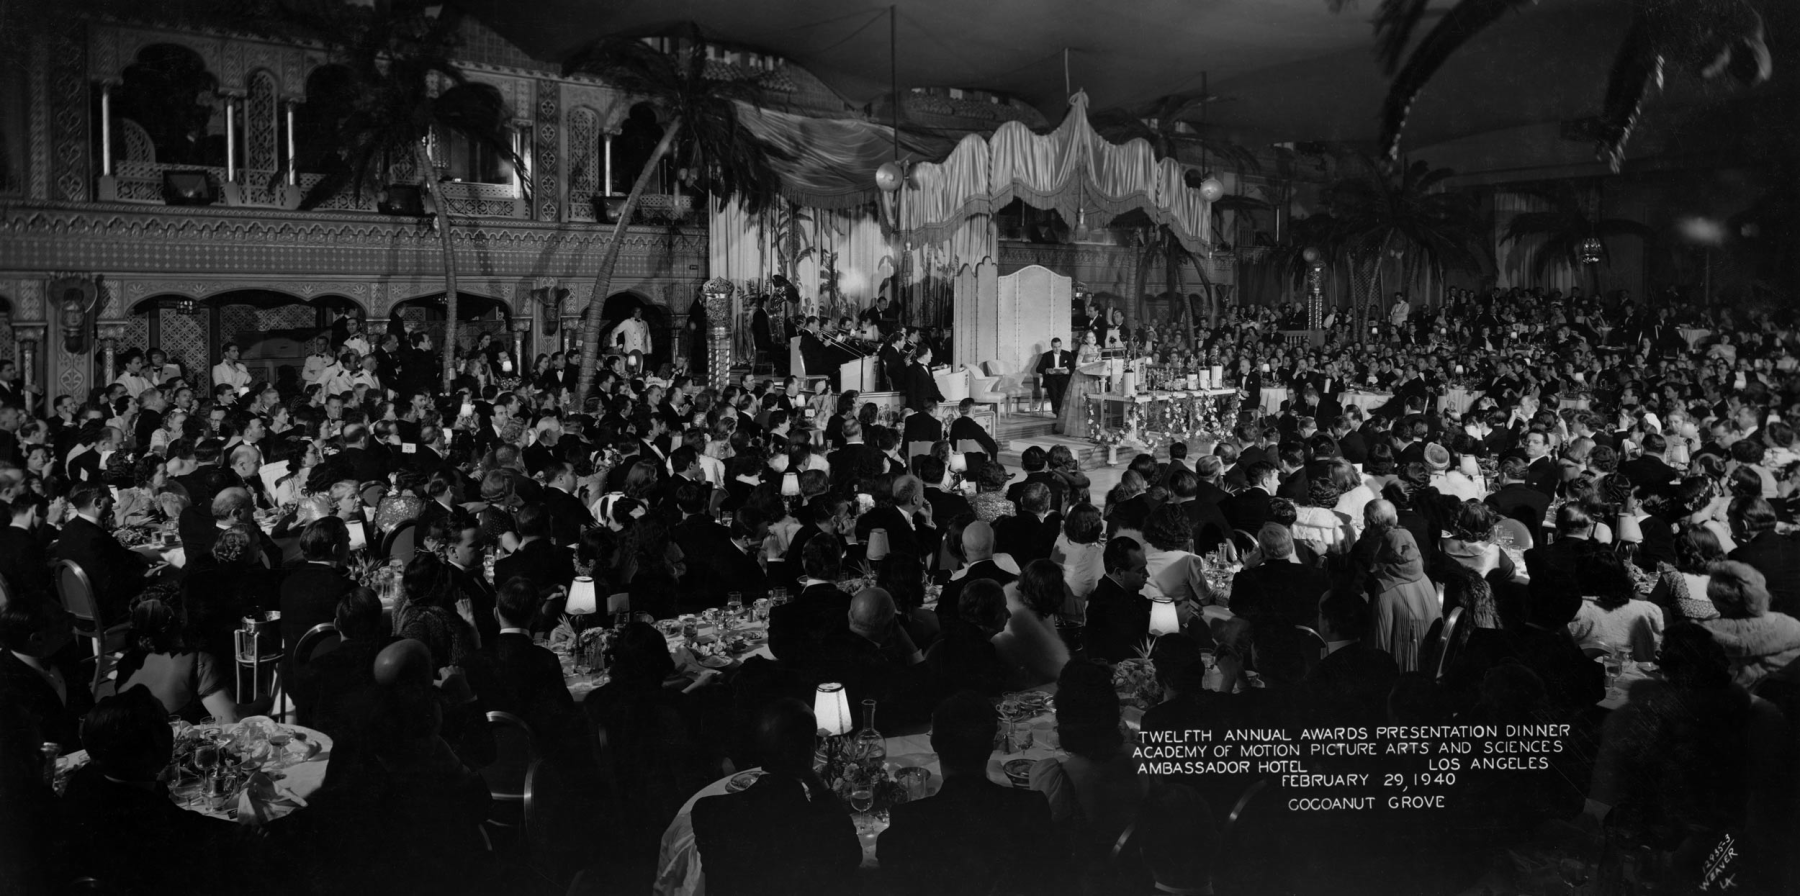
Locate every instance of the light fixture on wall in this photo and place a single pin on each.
(184, 305)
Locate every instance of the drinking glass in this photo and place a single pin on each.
(734, 608)
(862, 799)
(278, 741)
(778, 595)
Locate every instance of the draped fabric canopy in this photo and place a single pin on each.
(1072, 169)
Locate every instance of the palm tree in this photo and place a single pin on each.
(1563, 229)
(1405, 213)
(407, 94)
(1707, 37)
(700, 123)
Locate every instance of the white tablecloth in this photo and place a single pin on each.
(1693, 336)
(1368, 401)
(1458, 400)
(303, 779)
(580, 684)
(678, 871)
(1272, 399)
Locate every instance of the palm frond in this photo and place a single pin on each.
(1460, 25)
(1394, 25)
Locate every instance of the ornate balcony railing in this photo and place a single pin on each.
(142, 182)
(652, 208)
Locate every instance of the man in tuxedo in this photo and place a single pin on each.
(855, 461)
(907, 520)
(527, 680)
(115, 572)
(1649, 470)
(1118, 614)
(568, 515)
(1562, 560)
(1031, 533)
(1774, 555)
(1350, 441)
(945, 505)
(685, 468)
(366, 464)
(1295, 485)
(784, 833)
(24, 565)
(1280, 590)
(1178, 452)
(964, 428)
(973, 836)
(1542, 471)
(460, 535)
(1517, 500)
(717, 563)
(1211, 528)
(1053, 370)
(920, 386)
(538, 559)
(311, 591)
(1249, 509)
(1036, 462)
(921, 426)
(979, 562)
(799, 630)
(30, 634)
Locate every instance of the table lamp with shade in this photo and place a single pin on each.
(1164, 619)
(582, 599)
(790, 485)
(831, 710)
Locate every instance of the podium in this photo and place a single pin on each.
(858, 374)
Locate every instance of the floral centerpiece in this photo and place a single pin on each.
(1134, 679)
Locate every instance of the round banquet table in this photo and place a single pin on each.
(580, 684)
(1273, 397)
(1458, 400)
(1693, 336)
(301, 779)
(678, 871)
(1368, 401)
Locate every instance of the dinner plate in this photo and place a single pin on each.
(714, 662)
(742, 780)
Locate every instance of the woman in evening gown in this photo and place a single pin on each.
(1083, 381)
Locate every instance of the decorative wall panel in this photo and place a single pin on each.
(184, 339)
(545, 167)
(69, 115)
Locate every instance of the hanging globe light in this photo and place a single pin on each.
(1211, 189)
(889, 176)
(1590, 250)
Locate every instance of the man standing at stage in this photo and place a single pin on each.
(1053, 370)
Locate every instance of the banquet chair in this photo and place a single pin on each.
(1315, 638)
(402, 543)
(515, 749)
(543, 814)
(1438, 653)
(1244, 541)
(372, 493)
(318, 640)
(1253, 845)
(77, 594)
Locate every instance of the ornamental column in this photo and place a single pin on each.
(31, 335)
(110, 334)
(717, 295)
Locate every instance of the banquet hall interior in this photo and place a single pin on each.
(1030, 447)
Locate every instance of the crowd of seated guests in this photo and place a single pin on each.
(1415, 564)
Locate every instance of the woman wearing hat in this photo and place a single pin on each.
(1403, 602)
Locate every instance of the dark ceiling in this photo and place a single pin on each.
(1286, 69)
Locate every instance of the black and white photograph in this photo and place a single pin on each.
(902, 448)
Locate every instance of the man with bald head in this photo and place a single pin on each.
(907, 520)
(979, 562)
(875, 659)
(1279, 589)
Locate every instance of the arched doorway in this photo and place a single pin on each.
(273, 330)
(475, 315)
(618, 308)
